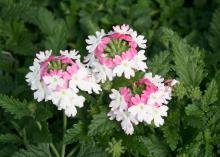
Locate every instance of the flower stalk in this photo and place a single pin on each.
(63, 150)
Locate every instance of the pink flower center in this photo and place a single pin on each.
(140, 92)
(61, 66)
(115, 48)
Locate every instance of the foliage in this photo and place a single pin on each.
(183, 43)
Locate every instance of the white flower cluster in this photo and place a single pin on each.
(148, 106)
(115, 54)
(59, 79)
(127, 63)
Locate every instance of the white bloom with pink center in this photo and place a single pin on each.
(127, 120)
(117, 53)
(102, 73)
(67, 100)
(84, 80)
(144, 102)
(139, 40)
(126, 67)
(157, 80)
(90, 59)
(43, 55)
(70, 54)
(41, 92)
(53, 82)
(92, 85)
(127, 123)
(33, 77)
(140, 112)
(59, 79)
(118, 102)
(93, 40)
(123, 29)
(119, 111)
(156, 98)
(156, 114)
(139, 61)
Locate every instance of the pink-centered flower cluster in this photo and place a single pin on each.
(118, 53)
(121, 51)
(59, 79)
(146, 101)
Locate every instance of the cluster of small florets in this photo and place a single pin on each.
(119, 53)
(144, 101)
(59, 78)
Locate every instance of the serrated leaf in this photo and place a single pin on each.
(55, 30)
(135, 146)
(172, 136)
(12, 11)
(91, 150)
(211, 93)
(75, 133)
(188, 60)
(193, 110)
(155, 146)
(100, 124)
(159, 64)
(17, 108)
(41, 150)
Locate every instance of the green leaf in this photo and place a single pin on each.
(213, 57)
(115, 148)
(7, 62)
(155, 146)
(18, 39)
(17, 108)
(90, 149)
(188, 64)
(75, 133)
(8, 150)
(10, 138)
(172, 136)
(41, 131)
(44, 111)
(214, 37)
(134, 145)
(55, 30)
(12, 11)
(188, 60)
(41, 150)
(159, 64)
(101, 125)
(193, 110)
(211, 93)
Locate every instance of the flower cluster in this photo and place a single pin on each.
(145, 102)
(116, 53)
(119, 53)
(59, 78)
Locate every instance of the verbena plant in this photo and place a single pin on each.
(183, 43)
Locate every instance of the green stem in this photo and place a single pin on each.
(25, 138)
(72, 151)
(64, 130)
(53, 148)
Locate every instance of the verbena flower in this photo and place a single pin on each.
(142, 101)
(119, 52)
(59, 79)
